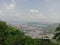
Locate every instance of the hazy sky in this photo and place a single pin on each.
(30, 10)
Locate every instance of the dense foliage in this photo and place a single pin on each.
(11, 36)
(57, 33)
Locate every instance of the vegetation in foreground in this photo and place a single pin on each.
(11, 36)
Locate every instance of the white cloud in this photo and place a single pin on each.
(9, 12)
(34, 11)
(36, 15)
(10, 6)
(49, 16)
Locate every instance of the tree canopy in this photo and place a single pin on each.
(57, 33)
(10, 35)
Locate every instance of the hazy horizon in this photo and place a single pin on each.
(30, 11)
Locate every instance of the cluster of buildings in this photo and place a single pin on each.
(36, 32)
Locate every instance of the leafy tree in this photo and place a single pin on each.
(57, 33)
(28, 40)
(3, 27)
(47, 42)
(10, 35)
(36, 41)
